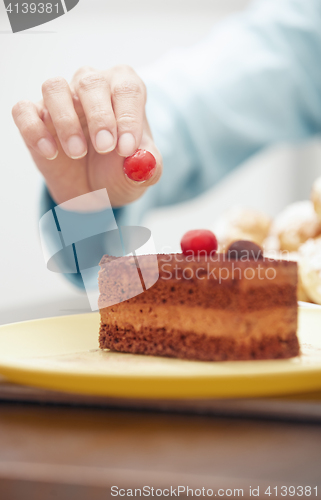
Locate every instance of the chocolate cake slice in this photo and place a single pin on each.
(199, 309)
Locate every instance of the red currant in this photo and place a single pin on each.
(199, 240)
(140, 166)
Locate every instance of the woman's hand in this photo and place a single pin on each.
(79, 134)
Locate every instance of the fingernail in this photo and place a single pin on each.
(126, 144)
(76, 147)
(104, 141)
(47, 149)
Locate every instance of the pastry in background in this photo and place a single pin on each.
(271, 245)
(310, 269)
(295, 225)
(240, 223)
(316, 196)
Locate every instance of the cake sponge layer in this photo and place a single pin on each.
(201, 347)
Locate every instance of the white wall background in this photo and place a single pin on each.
(103, 33)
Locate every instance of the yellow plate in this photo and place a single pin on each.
(62, 354)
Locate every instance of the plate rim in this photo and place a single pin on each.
(8, 367)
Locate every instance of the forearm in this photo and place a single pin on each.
(88, 232)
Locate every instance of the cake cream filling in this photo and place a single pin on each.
(276, 321)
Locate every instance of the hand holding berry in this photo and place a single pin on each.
(79, 134)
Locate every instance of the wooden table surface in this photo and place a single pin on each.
(64, 452)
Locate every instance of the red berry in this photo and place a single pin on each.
(199, 240)
(140, 166)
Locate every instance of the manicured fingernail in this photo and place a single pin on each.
(76, 147)
(104, 141)
(126, 144)
(47, 149)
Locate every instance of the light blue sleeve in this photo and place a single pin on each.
(253, 82)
